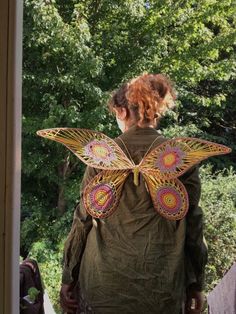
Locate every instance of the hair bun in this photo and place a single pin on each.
(148, 93)
(148, 96)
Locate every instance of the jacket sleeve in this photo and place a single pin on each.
(76, 239)
(195, 244)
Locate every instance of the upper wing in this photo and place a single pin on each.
(169, 196)
(174, 157)
(95, 149)
(101, 196)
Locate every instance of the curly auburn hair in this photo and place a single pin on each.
(148, 96)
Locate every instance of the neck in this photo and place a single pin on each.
(147, 125)
(130, 124)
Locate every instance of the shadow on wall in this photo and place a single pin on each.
(222, 299)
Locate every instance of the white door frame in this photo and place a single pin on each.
(11, 20)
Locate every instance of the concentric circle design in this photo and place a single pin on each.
(100, 151)
(102, 198)
(169, 199)
(170, 159)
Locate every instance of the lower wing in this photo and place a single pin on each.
(101, 196)
(169, 196)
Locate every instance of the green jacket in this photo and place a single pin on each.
(136, 261)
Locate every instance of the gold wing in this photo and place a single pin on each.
(101, 196)
(160, 168)
(95, 149)
(165, 163)
(174, 157)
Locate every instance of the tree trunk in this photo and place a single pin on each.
(61, 202)
(62, 172)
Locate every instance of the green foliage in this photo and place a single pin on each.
(58, 90)
(75, 53)
(40, 226)
(33, 293)
(47, 250)
(49, 259)
(219, 203)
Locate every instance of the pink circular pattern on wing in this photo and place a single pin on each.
(102, 197)
(100, 151)
(170, 159)
(169, 199)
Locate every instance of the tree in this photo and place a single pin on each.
(76, 52)
(59, 69)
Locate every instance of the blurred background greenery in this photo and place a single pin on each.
(75, 54)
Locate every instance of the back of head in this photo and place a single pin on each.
(146, 97)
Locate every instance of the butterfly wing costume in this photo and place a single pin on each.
(160, 167)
